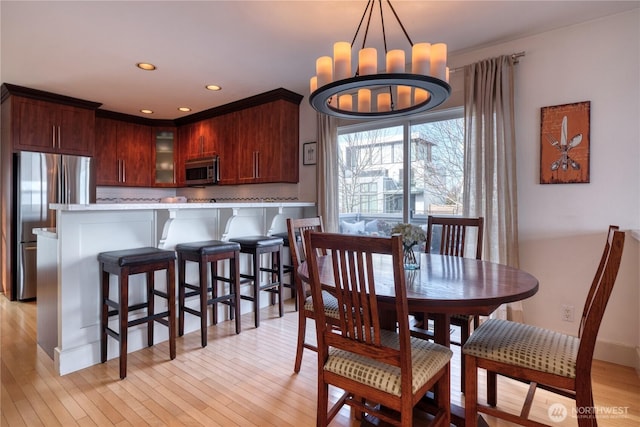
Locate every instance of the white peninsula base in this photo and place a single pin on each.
(69, 305)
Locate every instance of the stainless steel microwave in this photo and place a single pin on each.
(204, 171)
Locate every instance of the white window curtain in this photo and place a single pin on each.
(490, 161)
(327, 172)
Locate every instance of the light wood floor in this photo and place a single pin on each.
(243, 380)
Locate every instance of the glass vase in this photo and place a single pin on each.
(410, 261)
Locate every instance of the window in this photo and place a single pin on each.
(372, 180)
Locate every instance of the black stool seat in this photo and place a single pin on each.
(256, 246)
(208, 252)
(124, 263)
(208, 247)
(255, 241)
(283, 236)
(136, 256)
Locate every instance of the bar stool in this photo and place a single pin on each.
(288, 268)
(124, 263)
(208, 252)
(257, 246)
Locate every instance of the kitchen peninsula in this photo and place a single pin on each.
(68, 279)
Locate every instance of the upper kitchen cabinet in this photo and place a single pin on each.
(256, 138)
(124, 153)
(46, 122)
(268, 143)
(165, 156)
(198, 139)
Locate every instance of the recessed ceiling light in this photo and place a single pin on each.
(213, 87)
(145, 111)
(145, 66)
(184, 109)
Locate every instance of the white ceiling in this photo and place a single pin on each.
(88, 49)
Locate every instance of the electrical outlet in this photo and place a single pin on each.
(567, 313)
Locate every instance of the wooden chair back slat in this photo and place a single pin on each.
(453, 238)
(352, 264)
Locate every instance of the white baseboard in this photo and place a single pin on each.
(619, 354)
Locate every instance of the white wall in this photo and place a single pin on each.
(562, 227)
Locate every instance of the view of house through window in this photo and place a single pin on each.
(375, 192)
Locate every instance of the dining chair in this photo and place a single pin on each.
(449, 235)
(547, 359)
(295, 229)
(383, 373)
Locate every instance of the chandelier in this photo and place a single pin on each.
(399, 90)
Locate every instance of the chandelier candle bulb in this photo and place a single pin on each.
(439, 61)
(420, 95)
(404, 97)
(313, 84)
(324, 70)
(341, 60)
(384, 101)
(368, 61)
(364, 101)
(421, 58)
(345, 102)
(395, 61)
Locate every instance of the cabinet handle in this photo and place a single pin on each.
(257, 164)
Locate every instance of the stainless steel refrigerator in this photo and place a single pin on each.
(39, 180)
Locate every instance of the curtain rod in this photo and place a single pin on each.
(514, 56)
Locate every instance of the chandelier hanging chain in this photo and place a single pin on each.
(399, 22)
(355, 36)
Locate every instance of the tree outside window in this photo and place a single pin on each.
(371, 166)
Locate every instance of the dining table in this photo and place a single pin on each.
(442, 286)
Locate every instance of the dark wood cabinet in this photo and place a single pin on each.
(124, 155)
(198, 139)
(268, 143)
(256, 139)
(53, 128)
(227, 127)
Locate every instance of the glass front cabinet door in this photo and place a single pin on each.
(165, 156)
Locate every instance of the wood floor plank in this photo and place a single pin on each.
(237, 380)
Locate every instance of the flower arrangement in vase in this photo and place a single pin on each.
(411, 236)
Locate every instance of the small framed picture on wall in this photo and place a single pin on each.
(564, 143)
(309, 153)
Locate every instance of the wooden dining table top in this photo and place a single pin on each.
(446, 284)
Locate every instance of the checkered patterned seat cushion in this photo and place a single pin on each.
(427, 359)
(526, 346)
(330, 305)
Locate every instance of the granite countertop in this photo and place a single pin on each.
(46, 232)
(168, 206)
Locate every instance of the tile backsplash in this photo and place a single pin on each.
(132, 194)
(231, 193)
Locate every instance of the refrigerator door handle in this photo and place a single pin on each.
(65, 182)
